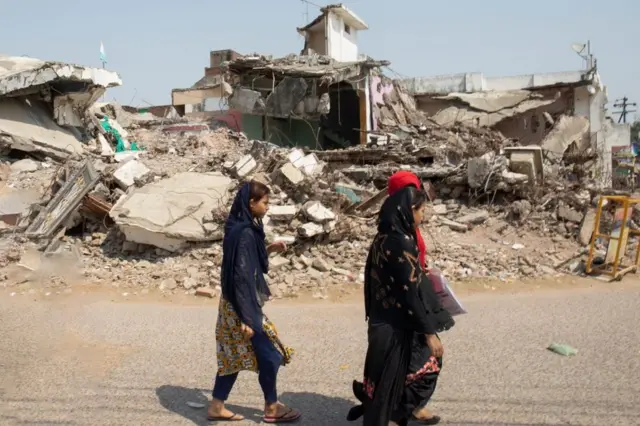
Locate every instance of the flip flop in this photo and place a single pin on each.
(233, 418)
(283, 418)
(434, 420)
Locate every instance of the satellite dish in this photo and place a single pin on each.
(578, 47)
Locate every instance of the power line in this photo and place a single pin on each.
(624, 104)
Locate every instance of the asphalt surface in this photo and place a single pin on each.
(74, 362)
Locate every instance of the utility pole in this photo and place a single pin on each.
(624, 104)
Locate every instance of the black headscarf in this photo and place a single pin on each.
(397, 226)
(240, 218)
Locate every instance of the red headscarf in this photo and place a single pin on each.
(397, 181)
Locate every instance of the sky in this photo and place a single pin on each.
(159, 45)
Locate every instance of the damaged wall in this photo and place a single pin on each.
(530, 127)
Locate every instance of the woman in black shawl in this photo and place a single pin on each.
(246, 339)
(404, 316)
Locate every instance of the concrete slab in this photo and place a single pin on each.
(126, 175)
(15, 204)
(170, 213)
(28, 126)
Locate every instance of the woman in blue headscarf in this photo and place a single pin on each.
(246, 339)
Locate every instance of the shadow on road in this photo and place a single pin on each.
(175, 398)
(316, 409)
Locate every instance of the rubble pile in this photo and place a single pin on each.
(141, 203)
(155, 220)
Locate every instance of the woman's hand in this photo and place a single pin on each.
(278, 247)
(246, 331)
(435, 345)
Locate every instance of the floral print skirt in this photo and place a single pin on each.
(235, 353)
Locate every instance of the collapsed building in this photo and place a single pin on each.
(563, 113)
(140, 197)
(43, 105)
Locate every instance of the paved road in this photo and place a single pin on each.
(104, 363)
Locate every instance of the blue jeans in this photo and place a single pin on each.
(269, 362)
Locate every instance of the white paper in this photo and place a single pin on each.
(448, 298)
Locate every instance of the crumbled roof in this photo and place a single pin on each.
(20, 72)
(300, 66)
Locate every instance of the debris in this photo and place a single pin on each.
(562, 349)
(169, 213)
(195, 404)
(245, 165)
(206, 292)
(285, 213)
(475, 218)
(318, 213)
(310, 229)
(587, 227)
(291, 174)
(569, 214)
(16, 204)
(127, 174)
(168, 284)
(277, 262)
(566, 131)
(65, 202)
(24, 166)
(455, 226)
(321, 265)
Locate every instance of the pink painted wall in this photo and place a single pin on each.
(378, 89)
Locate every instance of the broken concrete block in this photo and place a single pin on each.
(206, 292)
(168, 284)
(310, 229)
(569, 214)
(309, 164)
(126, 174)
(455, 226)
(475, 218)
(439, 209)
(27, 125)
(287, 239)
(16, 204)
(330, 226)
(291, 174)
(318, 213)
(478, 169)
(286, 212)
(277, 263)
(244, 166)
(587, 227)
(170, 213)
(124, 156)
(321, 265)
(305, 260)
(295, 155)
(26, 165)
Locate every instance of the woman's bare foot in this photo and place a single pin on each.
(217, 411)
(280, 413)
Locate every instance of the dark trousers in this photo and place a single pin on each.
(269, 362)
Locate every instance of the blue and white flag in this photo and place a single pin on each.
(103, 55)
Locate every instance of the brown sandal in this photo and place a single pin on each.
(233, 418)
(289, 416)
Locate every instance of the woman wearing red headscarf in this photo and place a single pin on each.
(424, 368)
(397, 181)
